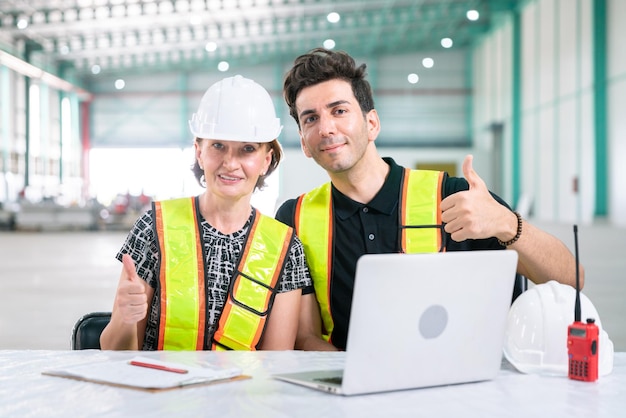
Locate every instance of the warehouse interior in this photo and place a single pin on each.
(95, 98)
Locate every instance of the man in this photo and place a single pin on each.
(372, 205)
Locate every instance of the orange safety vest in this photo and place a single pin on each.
(419, 222)
(182, 318)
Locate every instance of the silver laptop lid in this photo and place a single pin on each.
(422, 320)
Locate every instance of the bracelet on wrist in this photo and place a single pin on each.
(517, 235)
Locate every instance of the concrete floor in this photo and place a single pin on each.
(49, 279)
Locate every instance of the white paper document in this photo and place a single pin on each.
(146, 373)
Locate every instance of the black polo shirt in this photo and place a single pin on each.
(370, 228)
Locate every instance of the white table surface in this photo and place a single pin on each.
(25, 392)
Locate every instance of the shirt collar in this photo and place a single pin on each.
(385, 201)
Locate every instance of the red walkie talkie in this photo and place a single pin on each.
(582, 338)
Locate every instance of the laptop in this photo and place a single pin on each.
(422, 320)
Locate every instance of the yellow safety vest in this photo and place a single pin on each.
(419, 222)
(182, 320)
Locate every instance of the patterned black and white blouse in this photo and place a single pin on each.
(221, 252)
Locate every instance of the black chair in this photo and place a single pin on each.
(87, 330)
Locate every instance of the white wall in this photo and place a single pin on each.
(616, 92)
(557, 108)
(557, 121)
(492, 102)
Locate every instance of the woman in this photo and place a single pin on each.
(212, 272)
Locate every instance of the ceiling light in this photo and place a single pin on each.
(413, 78)
(428, 62)
(472, 14)
(119, 84)
(29, 70)
(329, 44)
(446, 43)
(95, 69)
(333, 17)
(210, 46)
(223, 66)
(22, 23)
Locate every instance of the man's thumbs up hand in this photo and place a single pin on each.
(472, 177)
(474, 213)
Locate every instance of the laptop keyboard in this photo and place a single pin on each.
(336, 380)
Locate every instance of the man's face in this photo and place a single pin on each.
(333, 130)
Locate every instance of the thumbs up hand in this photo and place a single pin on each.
(474, 213)
(131, 301)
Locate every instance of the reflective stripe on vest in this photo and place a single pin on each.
(420, 213)
(181, 276)
(315, 230)
(253, 288)
(419, 206)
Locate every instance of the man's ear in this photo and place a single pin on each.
(373, 124)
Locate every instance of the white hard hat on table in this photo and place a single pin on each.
(236, 109)
(536, 335)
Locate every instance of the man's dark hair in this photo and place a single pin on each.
(319, 65)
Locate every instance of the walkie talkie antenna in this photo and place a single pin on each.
(577, 302)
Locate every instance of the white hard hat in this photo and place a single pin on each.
(536, 334)
(236, 109)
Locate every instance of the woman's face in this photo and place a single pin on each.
(231, 168)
